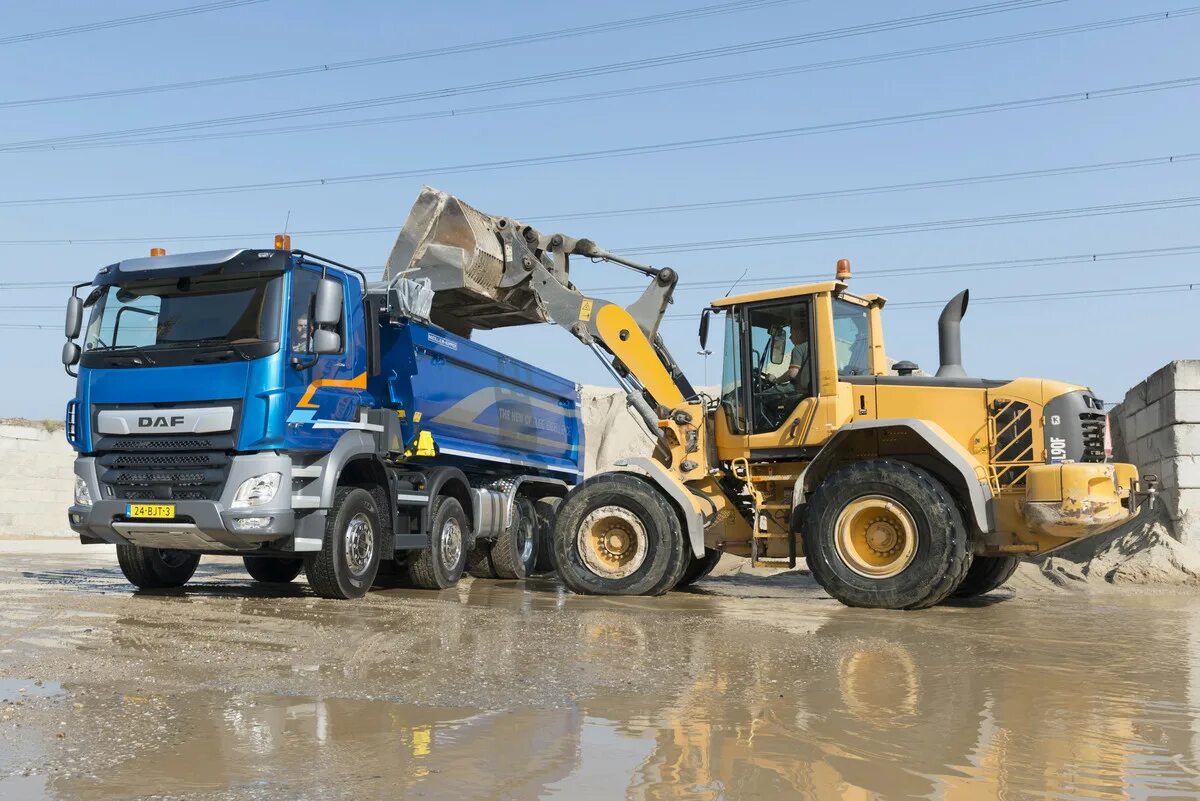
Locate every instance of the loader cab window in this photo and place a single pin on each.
(852, 338)
(780, 362)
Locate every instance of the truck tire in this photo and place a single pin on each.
(986, 574)
(616, 534)
(547, 511)
(441, 565)
(348, 561)
(155, 568)
(885, 534)
(699, 568)
(515, 551)
(272, 569)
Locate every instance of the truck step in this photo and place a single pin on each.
(305, 501)
(312, 471)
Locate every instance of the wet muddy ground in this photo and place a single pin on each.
(747, 688)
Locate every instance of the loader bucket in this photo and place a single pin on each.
(460, 251)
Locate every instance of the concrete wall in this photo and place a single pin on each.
(1157, 427)
(37, 483)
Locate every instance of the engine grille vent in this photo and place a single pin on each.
(1012, 442)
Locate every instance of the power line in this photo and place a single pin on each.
(416, 55)
(121, 22)
(118, 139)
(929, 225)
(131, 134)
(941, 183)
(633, 150)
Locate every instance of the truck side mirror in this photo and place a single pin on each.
(70, 354)
(325, 342)
(704, 328)
(74, 317)
(327, 308)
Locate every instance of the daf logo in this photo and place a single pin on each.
(160, 422)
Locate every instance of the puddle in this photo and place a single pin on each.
(21, 689)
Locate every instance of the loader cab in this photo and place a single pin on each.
(786, 352)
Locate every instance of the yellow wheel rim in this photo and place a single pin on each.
(612, 542)
(876, 537)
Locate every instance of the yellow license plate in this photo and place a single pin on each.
(157, 511)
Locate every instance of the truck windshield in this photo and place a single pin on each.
(238, 314)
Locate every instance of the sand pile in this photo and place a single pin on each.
(1144, 555)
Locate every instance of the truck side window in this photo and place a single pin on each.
(731, 375)
(304, 293)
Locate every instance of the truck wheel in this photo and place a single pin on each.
(514, 554)
(883, 533)
(155, 568)
(546, 510)
(441, 564)
(617, 535)
(986, 574)
(699, 568)
(346, 565)
(271, 569)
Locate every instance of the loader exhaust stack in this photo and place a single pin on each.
(950, 337)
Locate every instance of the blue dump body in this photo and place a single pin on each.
(480, 405)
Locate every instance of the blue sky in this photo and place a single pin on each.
(1109, 342)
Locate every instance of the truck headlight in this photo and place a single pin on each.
(256, 491)
(83, 496)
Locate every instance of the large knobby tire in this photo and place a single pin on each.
(273, 569)
(886, 534)
(699, 568)
(616, 534)
(348, 561)
(986, 574)
(155, 568)
(547, 511)
(441, 565)
(515, 551)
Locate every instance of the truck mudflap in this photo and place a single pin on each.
(1074, 500)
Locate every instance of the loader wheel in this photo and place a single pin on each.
(348, 561)
(546, 510)
(272, 570)
(156, 568)
(515, 551)
(986, 574)
(617, 535)
(699, 568)
(886, 534)
(441, 565)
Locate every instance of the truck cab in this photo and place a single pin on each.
(269, 403)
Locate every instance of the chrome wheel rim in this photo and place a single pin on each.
(359, 543)
(612, 542)
(451, 541)
(524, 533)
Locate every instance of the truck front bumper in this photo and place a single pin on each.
(198, 525)
(1076, 500)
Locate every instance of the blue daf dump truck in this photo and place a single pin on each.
(272, 404)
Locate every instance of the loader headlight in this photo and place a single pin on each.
(256, 491)
(83, 496)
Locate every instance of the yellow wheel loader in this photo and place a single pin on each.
(899, 489)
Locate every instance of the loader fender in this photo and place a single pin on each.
(655, 473)
(945, 458)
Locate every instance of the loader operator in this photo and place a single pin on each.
(798, 374)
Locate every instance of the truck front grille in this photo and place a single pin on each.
(141, 468)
